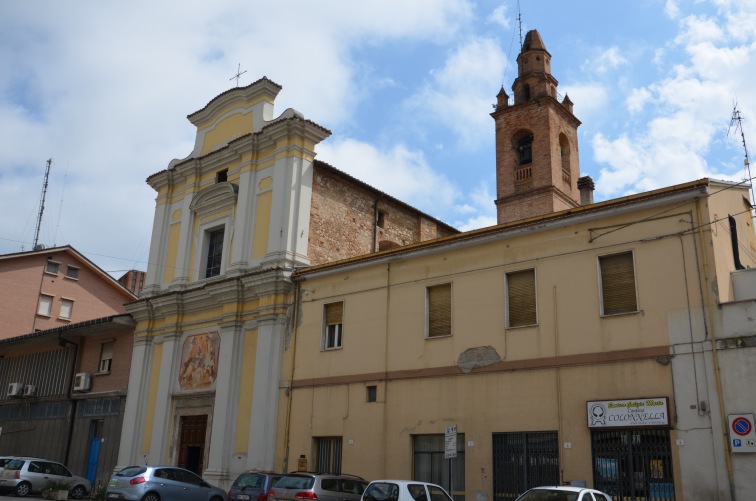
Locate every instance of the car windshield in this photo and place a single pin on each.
(250, 481)
(131, 471)
(295, 482)
(548, 495)
(382, 491)
(16, 464)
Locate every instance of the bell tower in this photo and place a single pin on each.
(537, 165)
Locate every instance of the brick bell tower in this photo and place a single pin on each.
(537, 165)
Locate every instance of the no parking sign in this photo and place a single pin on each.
(742, 433)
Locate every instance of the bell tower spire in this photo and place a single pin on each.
(537, 165)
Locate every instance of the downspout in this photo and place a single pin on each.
(715, 355)
(63, 342)
(289, 390)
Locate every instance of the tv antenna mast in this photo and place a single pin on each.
(737, 122)
(519, 22)
(42, 204)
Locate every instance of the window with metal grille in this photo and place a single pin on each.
(439, 310)
(521, 298)
(633, 463)
(618, 293)
(522, 460)
(214, 253)
(429, 464)
(334, 313)
(328, 454)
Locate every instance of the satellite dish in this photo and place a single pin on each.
(39, 247)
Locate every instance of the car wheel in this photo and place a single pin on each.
(23, 489)
(216, 498)
(78, 492)
(151, 496)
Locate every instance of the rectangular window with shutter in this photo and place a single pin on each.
(618, 293)
(106, 356)
(439, 310)
(521, 298)
(333, 313)
(66, 308)
(45, 305)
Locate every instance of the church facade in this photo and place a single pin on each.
(232, 221)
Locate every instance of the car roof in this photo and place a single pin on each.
(566, 488)
(404, 482)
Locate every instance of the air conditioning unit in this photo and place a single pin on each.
(30, 390)
(15, 389)
(83, 381)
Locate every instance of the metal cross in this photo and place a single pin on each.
(239, 73)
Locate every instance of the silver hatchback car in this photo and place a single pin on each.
(160, 483)
(25, 476)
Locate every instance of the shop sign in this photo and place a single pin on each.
(627, 413)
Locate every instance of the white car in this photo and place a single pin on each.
(563, 493)
(404, 490)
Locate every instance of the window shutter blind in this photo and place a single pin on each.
(65, 308)
(439, 310)
(618, 283)
(522, 298)
(334, 313)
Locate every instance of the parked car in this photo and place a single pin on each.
(404, 490)
(156, 483)
(563, 493)
(253, 485)
(317, 487)
(29, 475)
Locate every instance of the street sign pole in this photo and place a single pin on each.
(450, 453)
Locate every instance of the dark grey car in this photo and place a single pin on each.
(160, 483)
(253, 485)
(318, 487)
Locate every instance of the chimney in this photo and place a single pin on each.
(585, 186)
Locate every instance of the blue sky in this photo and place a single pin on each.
(406, 88)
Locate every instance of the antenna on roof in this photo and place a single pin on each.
(42, 204)
(519, 22)
(737, 122)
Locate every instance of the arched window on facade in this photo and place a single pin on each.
(523, 145)
(564, 149)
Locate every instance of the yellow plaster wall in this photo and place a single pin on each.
(170, 257)
(225, 130)
(149, 416)
(247, 376)
(262, 224)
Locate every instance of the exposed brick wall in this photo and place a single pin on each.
(343, 219)
(89, 359)
(547, 188)
(23, 279)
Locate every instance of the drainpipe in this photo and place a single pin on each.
(63, 342)
(715, 355)
(289, 390)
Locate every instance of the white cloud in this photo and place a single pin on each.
(461, 93)
(398, 171)
(500, 16)
(610, 59)
(637, 99)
